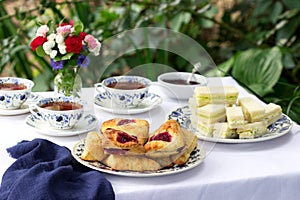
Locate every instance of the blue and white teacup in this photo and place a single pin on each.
(125, 91)
(14, 92)
(58, 113)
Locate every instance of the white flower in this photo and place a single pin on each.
(62, 48)
(51, 36)
(47, 46)
(53, 53)
(59, 38)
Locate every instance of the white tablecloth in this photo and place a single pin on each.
(263, 170)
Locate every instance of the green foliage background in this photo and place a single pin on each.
(255, 41)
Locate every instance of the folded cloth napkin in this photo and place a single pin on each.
(44, 170)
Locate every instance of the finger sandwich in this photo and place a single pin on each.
(235, 117)
(252, 130)
(210, 113)
(222, 130)
(252, 110)
(204, 128)
(273, 112)
(215, 95)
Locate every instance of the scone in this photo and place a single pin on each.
(126, 132)
(190, 144)
(93, 150)
(131, 163)
(167, 140)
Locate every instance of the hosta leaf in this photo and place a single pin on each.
(258, 69)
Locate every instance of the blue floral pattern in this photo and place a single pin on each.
(14, 99)
(277, 129)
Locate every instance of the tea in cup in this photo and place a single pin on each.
(58, 113)
(14, 92)
(125, 91)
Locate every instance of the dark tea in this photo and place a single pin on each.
(180, 82)
(126, 85)
(61, 106)
(12, 86)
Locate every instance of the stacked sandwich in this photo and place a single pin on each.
(218, 112)
(125, 144)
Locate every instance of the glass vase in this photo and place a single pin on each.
(68, 83)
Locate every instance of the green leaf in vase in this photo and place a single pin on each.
(40, 51)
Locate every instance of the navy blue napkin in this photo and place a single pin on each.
(44, 170)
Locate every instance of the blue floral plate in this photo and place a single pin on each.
(87, 123)
(275, 130)
(195, 159)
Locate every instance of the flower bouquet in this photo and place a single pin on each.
(68, 48)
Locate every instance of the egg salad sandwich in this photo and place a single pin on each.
(222, 130)
(235, 117)
(215, 95)
(252, 130)
(273, 112)
(252, 110)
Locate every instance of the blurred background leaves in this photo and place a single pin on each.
(254, 41)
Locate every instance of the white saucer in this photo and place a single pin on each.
(86, 124)
(104, 102)
(24, 108)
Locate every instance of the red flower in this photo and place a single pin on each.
(82, 35)
(65, 23)
(73, 44)
(38, 41)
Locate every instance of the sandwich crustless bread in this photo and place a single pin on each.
(235, 117)
(252, 130)
(253, 111)
(218, 112)
(215, 94)
(210, 113)
(273, 112)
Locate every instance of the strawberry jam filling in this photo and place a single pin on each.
(124, 137)
(125, 121)
(164, 136)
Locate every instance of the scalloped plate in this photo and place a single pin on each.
(277, 129)
(103, 102)
(196, 158)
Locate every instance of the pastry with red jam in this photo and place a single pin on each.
(126, 132)
(167, 140)
(124, 136)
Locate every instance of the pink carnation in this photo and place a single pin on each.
(64, 29)
(93, 44)
(42, 31)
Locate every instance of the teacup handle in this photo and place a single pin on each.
(32, 109)
(97, 86)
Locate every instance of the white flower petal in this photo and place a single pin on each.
(59, 39)
(51, 36)
(53, 54)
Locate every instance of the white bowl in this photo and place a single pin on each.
(179, 91)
